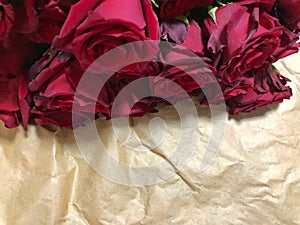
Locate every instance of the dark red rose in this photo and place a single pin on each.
(190, 75)
(172, 8)
(14, 107)
(189, 78)
(6, 20)
(54, 81)
(50, 21)
(94, 26)
(289, 13)
(52, 86)
(246, 38)
(268, 87)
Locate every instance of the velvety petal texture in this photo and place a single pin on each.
(53, 90)
(92, 28)
(245, 38)
(205, 49)
(269, 88)
(243, 41)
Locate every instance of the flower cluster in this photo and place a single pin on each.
(47, 45)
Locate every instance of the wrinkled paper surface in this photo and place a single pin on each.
(254, 180)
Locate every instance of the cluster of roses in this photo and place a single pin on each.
(46, 46)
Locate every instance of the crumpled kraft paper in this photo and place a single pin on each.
(255, 178)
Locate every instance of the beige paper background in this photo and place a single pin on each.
(254, 180)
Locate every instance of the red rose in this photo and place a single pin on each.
(14, 107)
(54, 81)
(52, 85)
(268, 87)
(190, 74)
(172, 8)
(289, 12)
(246, 38)
(94, 26)
(6, 19)
(174, 85)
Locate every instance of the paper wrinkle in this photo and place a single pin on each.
(255, 178)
